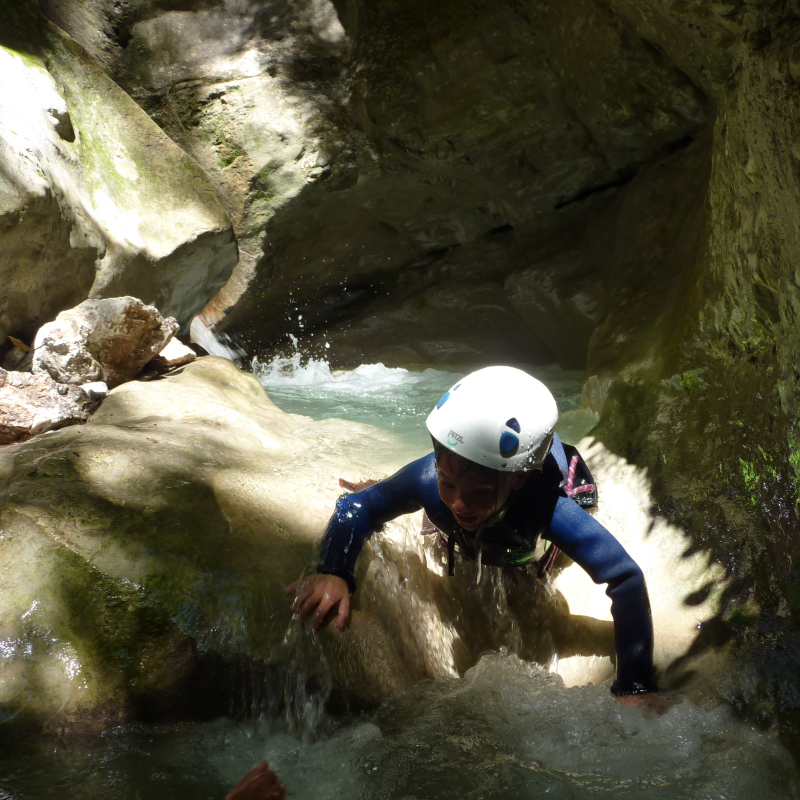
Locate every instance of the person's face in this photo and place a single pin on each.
(471, 497)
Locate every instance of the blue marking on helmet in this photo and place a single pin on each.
(445, 398)
(508, 444)
(513, 424)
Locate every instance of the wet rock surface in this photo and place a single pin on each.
(101, 340)
(153, 543)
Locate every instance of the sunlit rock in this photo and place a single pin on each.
(175, 354)
(32, 404)
(685, 585)
(97, 390)
(159, 536)
(101, 340)
(95, 199)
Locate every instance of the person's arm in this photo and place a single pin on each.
(589, 544)
(356, 517)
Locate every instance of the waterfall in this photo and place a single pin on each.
(213, 344)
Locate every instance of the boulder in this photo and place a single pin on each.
(95, 200)
(101, 340)
(32, 404)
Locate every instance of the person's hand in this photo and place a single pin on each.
(260, 783)
(650, 701)
(316, 595)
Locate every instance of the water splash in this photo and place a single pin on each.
(290, 693)
(296, 370)
(508, 729)
(392, 398)
(215, 344)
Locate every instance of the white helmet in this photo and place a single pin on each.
(499, 417)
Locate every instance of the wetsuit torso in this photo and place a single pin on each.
(538, 510)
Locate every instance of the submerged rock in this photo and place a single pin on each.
(101, 340)
(32, 404)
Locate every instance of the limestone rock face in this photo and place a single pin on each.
(162, 534)
(33, 404)
(694, 361)
(94, 198)
(101, 340)
(369, 139)
(702, 39)
(458, 324)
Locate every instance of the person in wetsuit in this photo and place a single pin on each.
(495, 489)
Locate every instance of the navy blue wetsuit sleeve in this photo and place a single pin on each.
(358, 516)
(589, 544)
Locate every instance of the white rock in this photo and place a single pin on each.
(175, 354)
(101, 340)
(96, 390)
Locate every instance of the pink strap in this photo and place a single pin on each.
(569, 490)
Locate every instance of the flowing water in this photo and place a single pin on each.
(396, 399)
(507, 729)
